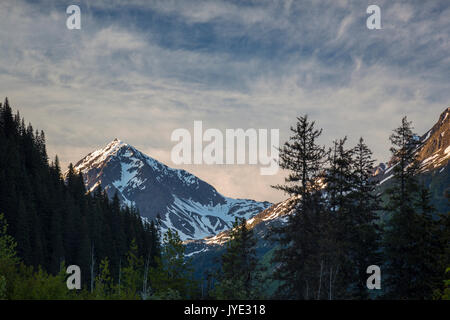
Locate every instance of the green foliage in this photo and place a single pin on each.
(7, 244)
(322, 252)
(412, 241)
(46, 287)
(54, 219)
(132, 274)
(294, 259)
(304, 159)
(359, 232)
(103, 282)
(446, 294)
(18, 281)
(240, 276)
(167, 294)
(332, 236)
(9, 261)
(172, 276)
(2, 287)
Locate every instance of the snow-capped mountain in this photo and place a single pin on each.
(184, 202)
(433, 151)
(275, 215)
(433, 154)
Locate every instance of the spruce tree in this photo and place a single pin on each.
(240, 275)
(54, 220)
(427, 235)
(297, 268)
(172, 276)
(132, 273)
(336, 225)
(8, 259)
(103, 282)
(363, 235)
(409, 257)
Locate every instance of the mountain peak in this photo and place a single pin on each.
(114, 143)
(444, 115)
(100, 155)
(183, 201)
(434, 150)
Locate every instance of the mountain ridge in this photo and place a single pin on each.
(435, 145)
(433, 152)
(183, 201)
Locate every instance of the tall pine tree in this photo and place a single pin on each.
(297, 266)
(240, 276)
(409, 259)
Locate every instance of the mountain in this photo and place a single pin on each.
(435, 150)
(261, 223)
(184, 202)
(203, 216)
(206, 252)
(433, 154)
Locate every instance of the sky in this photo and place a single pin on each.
(137, 70)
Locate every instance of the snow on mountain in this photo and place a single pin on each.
(277, 212)
(184, 202)
(275, 215)
(433, 152)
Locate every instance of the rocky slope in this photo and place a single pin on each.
(433, 154)
(184, 202)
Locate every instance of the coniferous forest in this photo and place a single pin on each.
(48, 223)
(340, 225)
(340, 228)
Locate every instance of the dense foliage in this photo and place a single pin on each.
(52, 221)
(334, 233)
(49, 221)
(240, 275)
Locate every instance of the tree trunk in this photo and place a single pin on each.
(320, 279)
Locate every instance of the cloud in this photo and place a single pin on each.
(137, 70)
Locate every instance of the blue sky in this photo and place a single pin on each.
(139, 69)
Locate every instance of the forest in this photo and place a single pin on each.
(341, 224)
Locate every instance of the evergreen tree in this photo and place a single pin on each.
(54, 219)
(132, 273)
(410, 258)
(297, 266)
(8, 259)
(2, 287)
(363, 233)
(103, 282)
(427, 235)
(404, 146)
(336, 224)
(240, 275)
(172, 277)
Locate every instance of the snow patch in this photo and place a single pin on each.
(386, 179)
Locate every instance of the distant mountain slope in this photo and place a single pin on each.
(205, 253)
(260, 223)
(433, 153)
(434, 156)
(186, 203)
